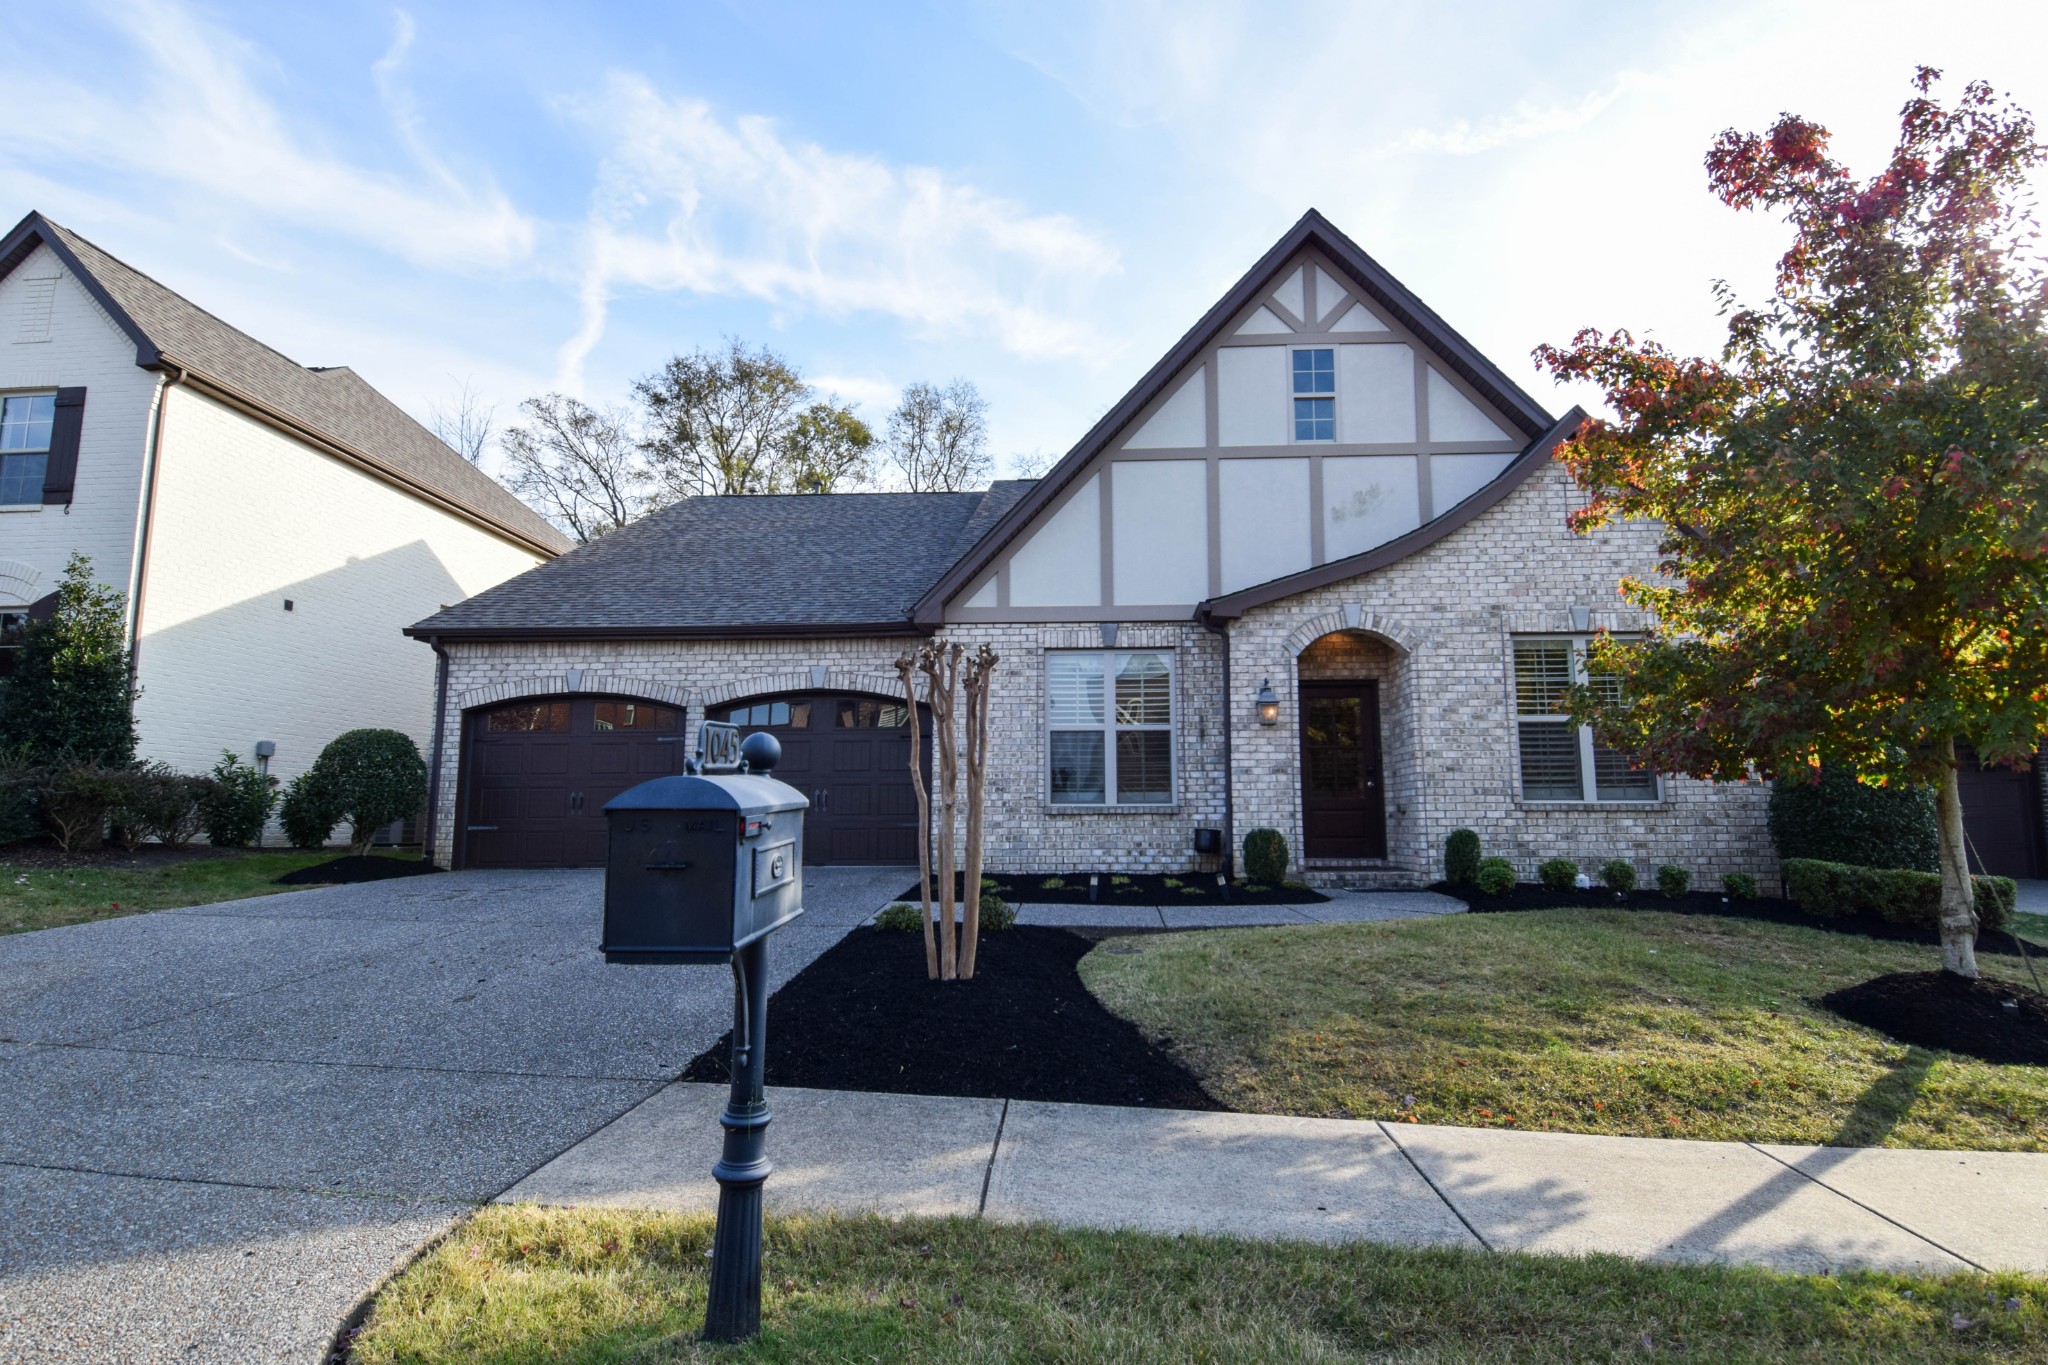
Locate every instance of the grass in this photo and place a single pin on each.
(1589, 1021)
(520, 1284)
(2033, 927)
(45, 897)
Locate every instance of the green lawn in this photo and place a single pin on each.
(1591, 1021)
(521, 1286)
(44, 897)
(2033, 927)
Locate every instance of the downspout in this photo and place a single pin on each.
(156, 447)
(434, 772)
(1229, 766)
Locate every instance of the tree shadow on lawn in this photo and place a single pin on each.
(1884, 1102)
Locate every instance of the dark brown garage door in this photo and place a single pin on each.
(851, 756)
(2001, 816)
(536, 775)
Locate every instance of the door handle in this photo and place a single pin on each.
(820, 800)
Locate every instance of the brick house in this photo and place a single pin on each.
(1311, 573)
(273, 526)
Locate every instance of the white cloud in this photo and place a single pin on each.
(687, 200)
(192, 113)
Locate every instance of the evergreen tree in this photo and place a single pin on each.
(71, 699)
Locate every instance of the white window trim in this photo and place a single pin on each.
(1109, 728)
(1589, 788)
(44, 450)
(1335, 419)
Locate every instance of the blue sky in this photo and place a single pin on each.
(1040, 198)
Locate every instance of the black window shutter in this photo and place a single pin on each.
(62, 471)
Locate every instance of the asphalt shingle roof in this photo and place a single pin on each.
(336, 403)
(795, 561)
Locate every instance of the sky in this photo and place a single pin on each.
(1038, 197)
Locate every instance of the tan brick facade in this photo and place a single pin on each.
(1435, 631)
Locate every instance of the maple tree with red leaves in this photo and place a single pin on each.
(1855, 493)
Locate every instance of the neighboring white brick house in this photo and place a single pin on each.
(1322, 490)
(212, 481)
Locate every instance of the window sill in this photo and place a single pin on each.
(21, 507)
(1070, 809)
(1661, 803)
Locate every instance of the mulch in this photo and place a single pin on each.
(353, 868)
(865, 1017)
(1771, 909)
(43, 853)
(1136, 888)
(1993, 1021)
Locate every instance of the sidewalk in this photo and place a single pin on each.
(1169, 1171)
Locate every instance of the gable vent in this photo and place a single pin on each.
(38, 302)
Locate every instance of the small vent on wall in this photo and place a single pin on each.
(38, 303)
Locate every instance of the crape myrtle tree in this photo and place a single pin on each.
(1854, 494)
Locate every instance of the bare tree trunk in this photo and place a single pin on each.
(1958, 895)
(942, 666)
(906, 668)
(978, 675)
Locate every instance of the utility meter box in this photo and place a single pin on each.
(703, 863)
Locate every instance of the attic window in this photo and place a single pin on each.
(25, 423)
(1315, 394)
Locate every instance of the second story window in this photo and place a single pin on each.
(1315, 394)
(25, 422)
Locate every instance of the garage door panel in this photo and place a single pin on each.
(607, 760)
(526, 764)
(853, 755)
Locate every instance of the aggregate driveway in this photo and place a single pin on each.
(220, 1126)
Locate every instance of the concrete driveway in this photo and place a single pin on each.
(220, 1126)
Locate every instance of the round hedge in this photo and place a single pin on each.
(374, 778)
(1840, 820)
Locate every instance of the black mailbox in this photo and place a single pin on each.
(700, 866)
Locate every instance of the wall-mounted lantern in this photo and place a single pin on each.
(1268, 704)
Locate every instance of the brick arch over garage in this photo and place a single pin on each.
(817, 678)
(575, 681)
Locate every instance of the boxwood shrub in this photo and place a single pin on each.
(1265, 856)
(1496, 876)
(1559, 874)
(1739, 886)
(1618, 874)
(1898, 894)
(1461, 858)
(1673, 881)
(1840, 820)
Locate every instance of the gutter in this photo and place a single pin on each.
(772, 631)
(1222, 630)
(142, 541)
(434, 773)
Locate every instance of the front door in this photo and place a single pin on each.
(1343, 796)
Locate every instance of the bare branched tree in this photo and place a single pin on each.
(1031, 464)
(938, 438)
(464, 425)
(744, 421)
(579, 467)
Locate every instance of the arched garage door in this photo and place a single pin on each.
(536, 775)
(850, 755)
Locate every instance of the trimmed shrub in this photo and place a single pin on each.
(1673, 882)
(77, 802)
(1265, 856)
(1461, 858)
(159, 802)
(1496, 876)
(374, 778)
(1559, 874)
(1898, 894)
(309, 811)
(1739, 886)
(1617, 874)
(997, 914)
(236, 802)
(900, 918)
(21, 792)
(1839, 820)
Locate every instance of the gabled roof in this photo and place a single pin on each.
(1370, 277)
(334, 407)
(762, 564)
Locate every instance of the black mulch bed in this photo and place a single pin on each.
(1994, 1021)
(352, 868)
(865, 1017)
(1532, 896)
(1137, 888)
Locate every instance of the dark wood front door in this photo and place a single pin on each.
(2001, 816)
(850, 754)
(1343, 794)
(536, 775)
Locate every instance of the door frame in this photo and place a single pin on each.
(1368, 689)
(458, 852)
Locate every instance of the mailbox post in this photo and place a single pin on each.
(702, 868)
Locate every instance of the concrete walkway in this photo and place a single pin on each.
(1332, 1180)
(1343, 907)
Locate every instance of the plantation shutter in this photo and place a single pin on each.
(61, 472)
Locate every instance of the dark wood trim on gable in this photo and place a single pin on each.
(1371, 279)
(774, 630)
(60, 473)
(1219, 609)
(35, 230)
